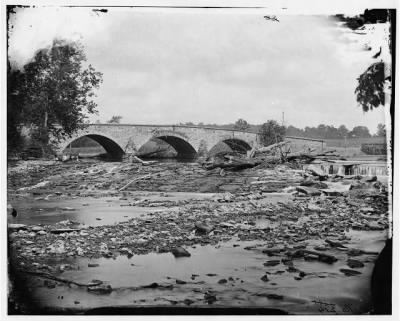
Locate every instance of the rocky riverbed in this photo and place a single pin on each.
(91, 235)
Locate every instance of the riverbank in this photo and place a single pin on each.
(263, 237)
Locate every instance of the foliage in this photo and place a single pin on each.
(115, 120)
(15, 80)
(55, 91)
(241, 124)
(271, 132)
(359, 132)
(370, 90)
(381, 130)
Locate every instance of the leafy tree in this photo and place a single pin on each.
(381, 130)
(15, 82)
(271, 132)
(343, 131)
(115, 120)
(57, 90)
(370, 92)
(241, 124)
(360, 132)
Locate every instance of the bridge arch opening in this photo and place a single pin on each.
(181, 148)
(100, 146)
(229, 145)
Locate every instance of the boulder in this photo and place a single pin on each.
(203, 228)
(354, 264)
(311, 191)
(180, 252)
(349, 272)
(317, 171)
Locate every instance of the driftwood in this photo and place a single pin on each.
(145, 163)
(231, 163)
(134, 180)
(265, 149)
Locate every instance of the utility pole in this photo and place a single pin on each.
(283, 118)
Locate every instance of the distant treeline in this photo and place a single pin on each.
(321, 131)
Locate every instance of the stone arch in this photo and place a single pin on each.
(178, 141)
(112, 148)
(235, 144)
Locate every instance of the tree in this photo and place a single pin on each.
(360, 132)
(241, 124)
(372, 84)
(343, 131)
(381, 130)
(57, 90)
(271, 132)
(15, 81)
(115, 120)
(370, 90)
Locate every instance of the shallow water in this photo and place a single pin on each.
(323, 282)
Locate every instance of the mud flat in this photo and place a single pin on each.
(97, 235)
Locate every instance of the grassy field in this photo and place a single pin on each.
(354, 142)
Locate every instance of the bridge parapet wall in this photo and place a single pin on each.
(132, 137)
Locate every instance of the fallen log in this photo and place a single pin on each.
(254, 151)
(232, 165)
(145, 163)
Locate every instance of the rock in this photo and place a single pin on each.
(210, 297)
(203, 228)
(375, 226)
(317, 171)
(313, 207)
(32, 234)
(57, 248)
(14, 227)
(354, 252)
(67, 208)
(93, 264)
(101, 289)
(226, 225)
(37, 228)
(349, 272)
(180, 252)
(272, 251)
(315, 184)
(188, 301)
(180, 281)
(308, 190)
(355, 263)
(11, 210)
(265, 278)
(370, 179)
(223, 281)
(64, 230)
(272, 262)
(79, 251)
(367, 210)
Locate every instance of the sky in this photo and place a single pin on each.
(170, 67)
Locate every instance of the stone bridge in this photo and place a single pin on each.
(188, 141)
